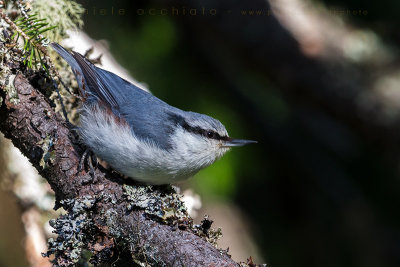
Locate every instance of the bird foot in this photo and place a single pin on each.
(87, 159)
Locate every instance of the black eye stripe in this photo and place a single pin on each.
(197, 130)
(207, 133)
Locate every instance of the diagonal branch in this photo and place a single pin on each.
(113, 225)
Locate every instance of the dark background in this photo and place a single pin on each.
(321, 188)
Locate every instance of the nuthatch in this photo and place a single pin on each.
(138, 134)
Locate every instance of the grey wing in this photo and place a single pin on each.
(148, 117)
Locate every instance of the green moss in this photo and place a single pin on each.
(65, 14)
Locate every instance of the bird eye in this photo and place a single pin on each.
(210, 134)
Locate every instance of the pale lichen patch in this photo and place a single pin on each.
(10, 89)
(48, 155)
(165, 206)
(73, 230)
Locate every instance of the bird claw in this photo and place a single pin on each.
(88, 157)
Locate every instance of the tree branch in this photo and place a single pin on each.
(106, 216)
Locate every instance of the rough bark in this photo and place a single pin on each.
(112, 223)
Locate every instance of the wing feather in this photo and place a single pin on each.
(95, 82)
(87, 77)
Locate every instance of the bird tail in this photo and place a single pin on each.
(76, 69)
(90, 78)
(67, 56)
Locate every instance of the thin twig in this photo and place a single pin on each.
(21, 32)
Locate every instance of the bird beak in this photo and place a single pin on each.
(238, 142)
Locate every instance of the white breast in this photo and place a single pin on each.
(141, 160)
